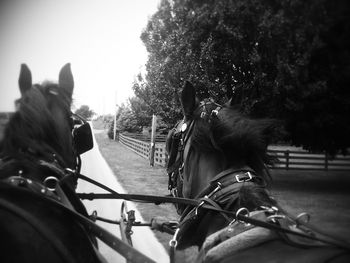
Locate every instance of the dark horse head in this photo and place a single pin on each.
(41, 126)
(219, 156)
(36, 150)
(214, 138)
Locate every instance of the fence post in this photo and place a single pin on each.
(287, 159)
(115, 123)
(153, 139)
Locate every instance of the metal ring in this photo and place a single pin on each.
(239, 212)
(173, 241)
(48, 179)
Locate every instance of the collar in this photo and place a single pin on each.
(222, 192)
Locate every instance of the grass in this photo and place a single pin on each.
(138, 177)
(324, 195)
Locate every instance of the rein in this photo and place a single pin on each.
(50, 192)
(115, 243)
(125, 249)
(198, 204)
(223, 190)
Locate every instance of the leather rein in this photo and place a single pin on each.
(224, 185)
(203, 203)
(222, 192)
(54, 196)
(49, 195)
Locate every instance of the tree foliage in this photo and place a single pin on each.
(85, 112)
(284, 59)
(140, 111)
(126, 120)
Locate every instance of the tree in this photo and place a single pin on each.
(288, 60)
(140, 111)
(126, 120)
(85, 112)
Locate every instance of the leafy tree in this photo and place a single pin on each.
(126, 120)
(85, 112)
(140, 111)
(288, 60)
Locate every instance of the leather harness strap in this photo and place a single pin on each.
(115, 243)
(194, 203)
(129, 252)
(41, 228)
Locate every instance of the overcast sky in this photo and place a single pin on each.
(100, 38)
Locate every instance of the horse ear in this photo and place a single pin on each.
(188, 99)
(25, 79)
(65, 79)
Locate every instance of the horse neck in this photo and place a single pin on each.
(208, 166)
(199, 170)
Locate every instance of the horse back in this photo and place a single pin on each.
(31, 230)
(279, 251)
(248, 243)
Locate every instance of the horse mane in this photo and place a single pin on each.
(237, 141)
(33, 128)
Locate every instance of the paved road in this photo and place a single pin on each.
(144, 240)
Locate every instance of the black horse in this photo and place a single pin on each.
(219, 156)
(37, 154)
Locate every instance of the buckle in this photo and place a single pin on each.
(244, 179)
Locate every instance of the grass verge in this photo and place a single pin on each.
(136, 176)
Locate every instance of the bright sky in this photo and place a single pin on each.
(100, 38)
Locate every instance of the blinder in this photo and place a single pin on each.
(82, 135)
(175, 146)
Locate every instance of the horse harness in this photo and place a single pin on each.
(223, 191)
(50, 192)
(218, 193)
(221, 182)
(178, 139)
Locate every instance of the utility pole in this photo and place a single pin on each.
(115, 117)
(153, 139)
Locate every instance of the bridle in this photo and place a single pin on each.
(178, 139)
(50, 192)
(222, 191)
(175, 165)
(49, 187)
(81, 132)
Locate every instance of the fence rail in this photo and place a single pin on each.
(145, 138)
(142, 148)
(285, 159)
(300, 160)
